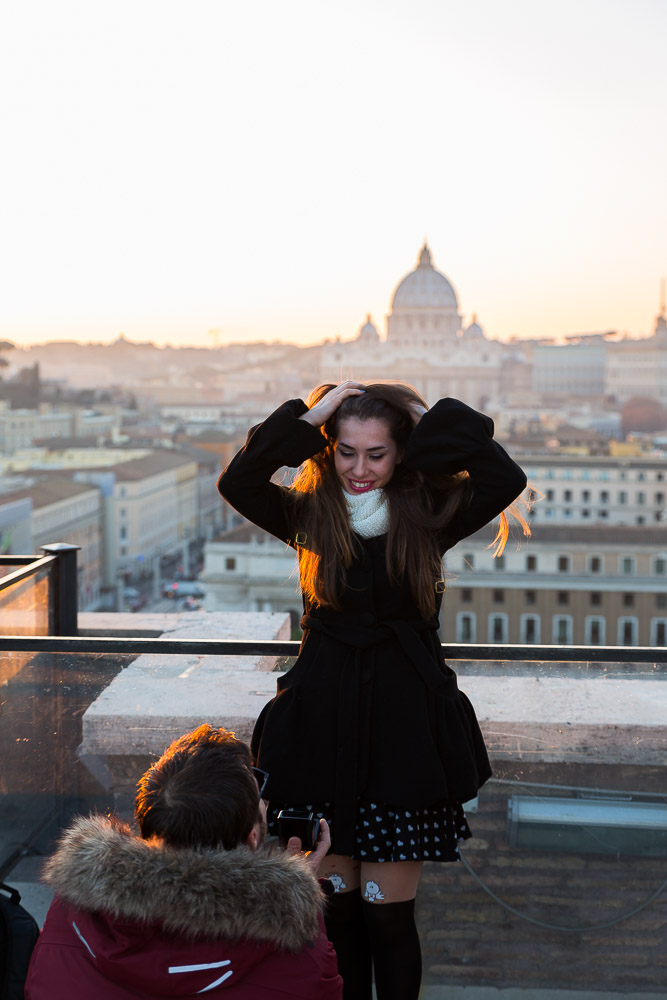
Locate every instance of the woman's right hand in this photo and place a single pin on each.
(320, 413)
(417, 411)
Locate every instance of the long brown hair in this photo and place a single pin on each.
(325, 542)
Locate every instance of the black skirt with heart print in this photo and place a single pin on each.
(393, 833)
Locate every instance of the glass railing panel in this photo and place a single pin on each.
(24, 605)
(564, 882)
(42, 781)
(24, 610)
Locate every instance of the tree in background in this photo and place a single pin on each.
(643, 414)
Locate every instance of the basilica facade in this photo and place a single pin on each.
(426, 344)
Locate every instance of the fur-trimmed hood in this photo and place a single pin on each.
(266, 896)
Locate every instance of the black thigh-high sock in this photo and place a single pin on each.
(346, 929)
(397, 957)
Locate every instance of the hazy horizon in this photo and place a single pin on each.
(271, 172)
(210, 345)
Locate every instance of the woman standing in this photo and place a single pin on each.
(369, 729)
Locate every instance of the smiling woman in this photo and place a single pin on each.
(369, 729)
(365, 455)
(368, 428)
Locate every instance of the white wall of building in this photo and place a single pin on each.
(252, 573)
(597, 490)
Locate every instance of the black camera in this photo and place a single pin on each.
(292, 823)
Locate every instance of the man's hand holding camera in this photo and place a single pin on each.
(316, 854)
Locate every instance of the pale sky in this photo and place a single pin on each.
(270, 169)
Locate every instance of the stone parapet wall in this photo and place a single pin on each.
(469, 939)
(158, 697)
(577, 719)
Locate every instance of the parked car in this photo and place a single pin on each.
(191, 603)
(183, 588)
(133, 599)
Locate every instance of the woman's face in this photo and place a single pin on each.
(365, 454)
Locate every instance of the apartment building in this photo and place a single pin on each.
(15, 526)
(20, 428)
(574, 585)
(210, 515)
(150, 510)
(62, 510)
(246, 569)
(639, 367)
(571, 370)
(585, 489)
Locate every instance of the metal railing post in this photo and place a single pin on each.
(64, 609)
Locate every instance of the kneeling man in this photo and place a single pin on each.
(196, 904)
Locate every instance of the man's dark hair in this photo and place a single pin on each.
(200, 793)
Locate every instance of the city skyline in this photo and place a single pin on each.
(271, 174)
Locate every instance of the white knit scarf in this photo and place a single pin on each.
(369, 512)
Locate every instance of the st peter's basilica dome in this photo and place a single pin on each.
(424, 288)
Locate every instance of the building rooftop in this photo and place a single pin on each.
(49, 489)
(592, 461)
(199, 455)
(152, 464)
(587, 534)
(244, 533)
(62, 443)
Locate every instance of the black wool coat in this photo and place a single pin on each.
(370, 709)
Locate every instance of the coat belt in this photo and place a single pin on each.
(362, 636)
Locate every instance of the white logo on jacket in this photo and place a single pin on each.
(202, 968)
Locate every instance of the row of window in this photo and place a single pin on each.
(565, 597)
(604, 475)
(530, 629)
(567, 514)
(625, 565)
(641, 498)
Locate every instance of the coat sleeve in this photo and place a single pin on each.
(281, 440)
(451, 437)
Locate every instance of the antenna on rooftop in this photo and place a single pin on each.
(662, 297)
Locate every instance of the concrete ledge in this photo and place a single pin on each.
(619, 721)
(603, 720)
(151, 703)
(196, 625)
(159, 697)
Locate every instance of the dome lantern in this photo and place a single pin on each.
(425, 256)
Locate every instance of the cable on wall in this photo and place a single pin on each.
(561, 927)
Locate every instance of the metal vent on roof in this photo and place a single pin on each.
(600, 826)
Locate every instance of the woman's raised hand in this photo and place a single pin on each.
(417, 411)
(320, 413)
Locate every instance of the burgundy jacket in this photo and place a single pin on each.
(134, 920)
